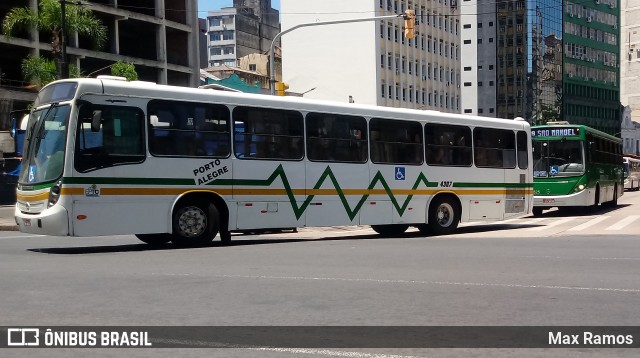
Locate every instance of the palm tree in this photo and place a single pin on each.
(48, 19)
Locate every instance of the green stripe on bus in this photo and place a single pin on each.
(493, 185)
(279, 172)
(134, 181)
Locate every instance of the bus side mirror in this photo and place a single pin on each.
(96, 120)
(14, 124)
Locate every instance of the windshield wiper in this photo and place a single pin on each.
(41, 130)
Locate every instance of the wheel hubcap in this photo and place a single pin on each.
(192, 221)
(444, 215)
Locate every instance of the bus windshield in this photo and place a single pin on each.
(626, 169)
(45, 146)
(558, 158)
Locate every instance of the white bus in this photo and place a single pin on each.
(631, 172)
(107, 157)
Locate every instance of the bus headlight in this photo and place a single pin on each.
(580, 187)
(54, 193)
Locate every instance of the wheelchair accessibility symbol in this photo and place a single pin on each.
(400, 173)
(553, 170)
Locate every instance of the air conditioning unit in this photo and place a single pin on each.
(570, 75)
(397, 71)
(579, 16)
(571, 15)
(597, 1)
(615, 26)
(424, 77)
(589, 19)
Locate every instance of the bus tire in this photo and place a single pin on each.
(390, 230)
(596, 200)
(225, 236)
(195, 223)
(537, 211)
(154, 239)
(444, 216)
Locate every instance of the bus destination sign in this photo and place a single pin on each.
(556, 132)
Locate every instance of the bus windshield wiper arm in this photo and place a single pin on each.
(41, 129)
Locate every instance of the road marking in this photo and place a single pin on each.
(624, 222)
(552, 224)
(444, 283)
(323, 352)
(589, 223)
(581, 258)
(327, 352)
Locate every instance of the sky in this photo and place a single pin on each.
(205, 6)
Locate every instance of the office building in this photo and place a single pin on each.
(543, 60)
(372, 62)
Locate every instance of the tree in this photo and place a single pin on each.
(126, 70)
(48, 18)
(39, 71)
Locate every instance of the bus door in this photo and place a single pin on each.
(109, 159)
(268, 170)
(337, 174)
(517, 176)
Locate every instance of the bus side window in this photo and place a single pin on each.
(522, 146)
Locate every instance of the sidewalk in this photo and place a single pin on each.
(7, 221)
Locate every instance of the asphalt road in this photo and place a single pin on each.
(522, 275)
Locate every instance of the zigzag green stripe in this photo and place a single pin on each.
(299, 210)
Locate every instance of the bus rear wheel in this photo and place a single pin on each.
(195, 223)
(443, 216)
(390, 230)
(154, 239)
(536, 211)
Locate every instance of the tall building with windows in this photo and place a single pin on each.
(630, 73)
(372, 62)
(543, 60)
(246, 28)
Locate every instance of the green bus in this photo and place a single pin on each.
(575, 166)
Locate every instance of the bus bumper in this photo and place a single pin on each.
(53, 221)
(582, 198)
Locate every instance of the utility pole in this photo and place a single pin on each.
(272, 64)
(64, 70)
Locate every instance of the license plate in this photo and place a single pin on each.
(26, 222)
(548, 200)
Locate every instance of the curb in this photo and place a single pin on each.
(9, 227)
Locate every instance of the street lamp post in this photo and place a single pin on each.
(272, 64)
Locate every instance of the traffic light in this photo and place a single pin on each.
(409, 24)
(280, 88)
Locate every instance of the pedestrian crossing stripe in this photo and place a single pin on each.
(549, 223)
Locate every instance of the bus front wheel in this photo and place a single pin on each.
(195, 224)
(443, 216)
(390, 230)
